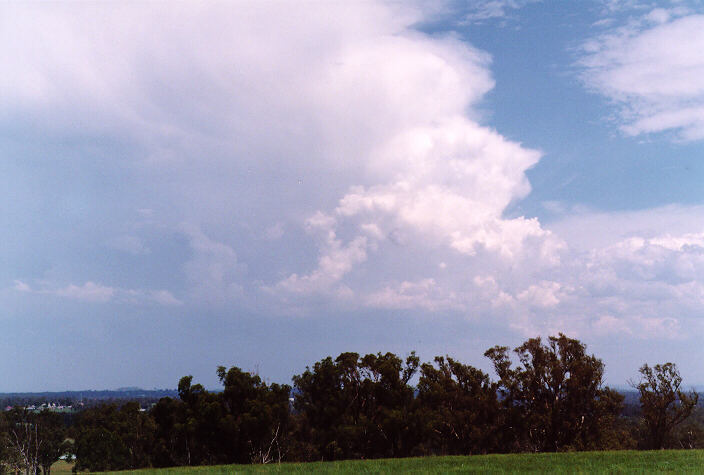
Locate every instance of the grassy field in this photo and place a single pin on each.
(677, 461)
(61, 467)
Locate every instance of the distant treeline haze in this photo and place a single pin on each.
(548, 396)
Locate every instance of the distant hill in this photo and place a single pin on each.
(89, 397)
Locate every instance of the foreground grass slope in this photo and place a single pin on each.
(678, 461)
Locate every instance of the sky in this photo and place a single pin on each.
(186, 185)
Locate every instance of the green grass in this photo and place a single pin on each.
(676, 461)
(62, 467)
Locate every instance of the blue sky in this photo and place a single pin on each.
(262, 185)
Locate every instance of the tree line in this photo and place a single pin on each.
(548, 396)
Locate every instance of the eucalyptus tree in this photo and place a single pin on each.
(353, 407)
(459, 408)
(555, 398)
(663, 403)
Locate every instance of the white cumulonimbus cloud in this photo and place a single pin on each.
(332, 153)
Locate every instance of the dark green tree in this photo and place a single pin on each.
(459, 407)
(256, 417)
(170, 443)
(356, 408)
(21, 440)
(51, 433)
(108, 437)
(136, 428)
(99, 449)
(199, 424)
(554, 399)
(690, 433)
(31, 440)
(247, 422)
(663, 403)
(388, 404)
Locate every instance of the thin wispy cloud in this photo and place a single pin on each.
(480, 11)
(652, 70)
(93, 292)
